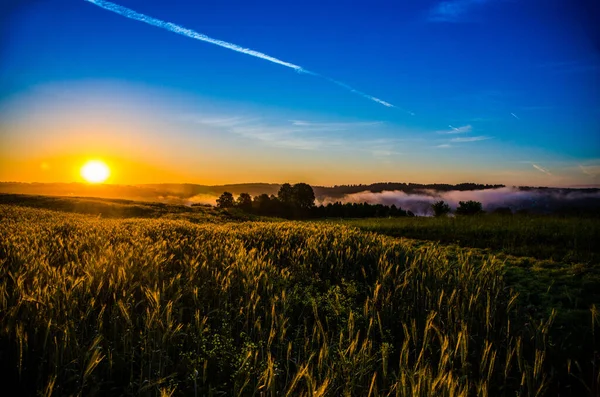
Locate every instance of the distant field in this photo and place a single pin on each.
(568, 239)
(154, 304)
(116, 208)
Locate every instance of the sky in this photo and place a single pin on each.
(216, 92)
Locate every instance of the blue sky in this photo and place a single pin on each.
(495, 91)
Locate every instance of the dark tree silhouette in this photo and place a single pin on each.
(286, 194)
(469, 208)
(225, 200)
(298, 201)
(303, 196)
(244, 202)
(440, 208)
(356, 210)
(262, 204)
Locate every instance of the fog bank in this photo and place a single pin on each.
(541, 200)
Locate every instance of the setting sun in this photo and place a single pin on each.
(95, 171)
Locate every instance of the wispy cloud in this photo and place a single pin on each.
(457, 130)
(515, 116)
(219, 121)
(383, 153)
(131, 14)
(284, 137)
(453, 10)
(304, 135)
(541, 169)
(443, 146)
(470, 139)
(592, 170)
(305, 123)
(351, 89)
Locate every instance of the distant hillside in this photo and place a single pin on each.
(190, 190)
(168, 192)
(119, 208)
(181, 192)
(342, 190)
(413, 197)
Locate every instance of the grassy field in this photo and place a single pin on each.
(116, 208)
(567, 239)
(156, 306)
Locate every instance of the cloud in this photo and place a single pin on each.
(220, 121)
(351, 89)
(131, 14)
(334, 124)
(470, 139)
(444, 145)
(541, 169)
(457, 130)
(302, 134)
(592, 170)
(515, 116)
(453, 10)
(282, 138)
(383, 153)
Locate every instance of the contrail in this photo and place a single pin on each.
(131, 14)
(354, 90)
(515, 116)
(537, 167)
(346, 86)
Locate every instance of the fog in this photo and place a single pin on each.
(513, 198)
(202, 199)
(534, 199)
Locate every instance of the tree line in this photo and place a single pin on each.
(342, 190)
(298, 201)
(467, 208)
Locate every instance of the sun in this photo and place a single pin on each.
(95, 171)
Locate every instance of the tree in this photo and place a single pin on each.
(244, 202)
(440, 208)
(303, 196)
(262, 204)
(286, 193)
(225, 200)
(469, 208)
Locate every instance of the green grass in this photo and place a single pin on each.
(542, 237)
(95, 306)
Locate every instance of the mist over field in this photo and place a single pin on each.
(542, 199)
(415, 199)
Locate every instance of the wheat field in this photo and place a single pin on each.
(151, 307)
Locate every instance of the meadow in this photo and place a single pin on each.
(566, 239)
(203, 302)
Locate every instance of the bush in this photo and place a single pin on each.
(440, 208)
(469, 208)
